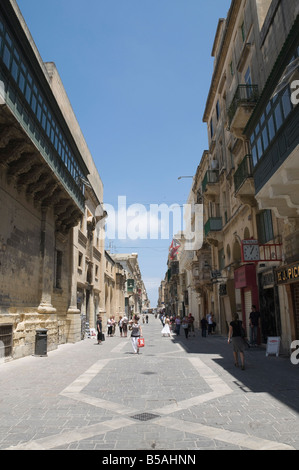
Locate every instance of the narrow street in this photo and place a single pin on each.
(177, 394)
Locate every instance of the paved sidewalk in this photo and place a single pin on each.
(177, 394)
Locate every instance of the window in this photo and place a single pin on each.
(243, 31)
(218, 110)
(39, 112)
(28, 93)
(278, 116)
(212, 128)
(286, 103)
(80, 259)
(271, 127)
(15, 70)
(265, 226)
(231, 68)
(33, 103)
(248, 82)
(259, 147)
(254, 156)
(265, 137)
(6, 56)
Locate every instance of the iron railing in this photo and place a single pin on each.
(211, 176)
(245, 95)
(244, 171)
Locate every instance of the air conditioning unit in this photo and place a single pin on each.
(214, 165)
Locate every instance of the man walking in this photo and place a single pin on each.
(254, 323)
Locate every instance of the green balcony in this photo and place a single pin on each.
(214, 224)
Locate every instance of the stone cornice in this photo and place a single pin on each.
(226, 41)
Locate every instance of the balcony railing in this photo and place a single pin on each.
(246, 95)
(244, 171)
(211, 176)
(214, 224)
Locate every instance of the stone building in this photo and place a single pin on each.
(115, 287)
(50, 201)
(247, 179)
(136, 298)
(273, 134)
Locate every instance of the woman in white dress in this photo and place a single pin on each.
(166, 330)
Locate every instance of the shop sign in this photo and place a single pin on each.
(273, 345)
(288, 274)
(267, 279)
(245, 276)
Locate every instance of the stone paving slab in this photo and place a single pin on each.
(87, 396)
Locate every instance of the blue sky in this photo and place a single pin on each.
(137, 73)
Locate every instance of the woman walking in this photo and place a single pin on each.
(136, 333)
(236, 336)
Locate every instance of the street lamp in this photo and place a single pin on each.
(180, 177)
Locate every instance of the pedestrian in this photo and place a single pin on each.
(185, 325)
(125, 325)
(210, 322)
(166, 330)
(146, 318)
(236, 336)
(177, 325)
(113, 325)
(110, 326)
(191, 324)
(254, 323)
(136, 333)
(172, 323)
(99, 329)
(120, 325)
(204, 326)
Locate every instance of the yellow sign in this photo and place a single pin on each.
(288, 274)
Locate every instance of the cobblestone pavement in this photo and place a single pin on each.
(177, 394)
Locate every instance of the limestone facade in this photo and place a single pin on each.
(54, 271)
(247, 178)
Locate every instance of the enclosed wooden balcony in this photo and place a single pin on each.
(37, 149)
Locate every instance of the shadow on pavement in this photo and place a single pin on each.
(276, 376)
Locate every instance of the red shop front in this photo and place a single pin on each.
(246, 281)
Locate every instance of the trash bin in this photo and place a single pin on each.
(41, 342)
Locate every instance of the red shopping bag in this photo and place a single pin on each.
(141, 343)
